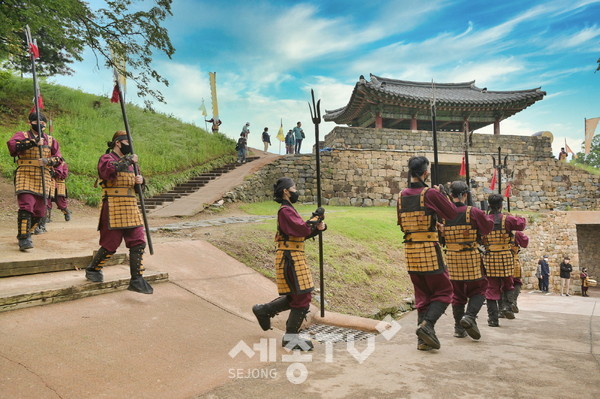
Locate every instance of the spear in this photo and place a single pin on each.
(138, 187)
(434, 174)
(467, 175)
(315, 114)
(34, 53)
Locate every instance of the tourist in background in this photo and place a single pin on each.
(266, 138)
(419, 208)
(241, 146)
(584, 281)
(298, 136)
(544, 273)
(565, 275)
(289, 142)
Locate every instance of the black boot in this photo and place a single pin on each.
(515, 295)
(94, 270)
(506, 308)
(40, 225)
(266, 311)
(468, 322)
(458, 312)
(292, 340)
(426, 328)
(492, 308)
(67, 214)
(136, 267)
(49, 215)
(23, 230)
(421, 345)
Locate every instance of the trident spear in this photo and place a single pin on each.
(34, 53)
(315, 114)
(138, 187)
(467, 175)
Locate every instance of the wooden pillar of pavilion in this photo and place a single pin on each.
(497, 126)
(378, 121)
(413, 123)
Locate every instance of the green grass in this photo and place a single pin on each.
(588, 168)
(170, 151)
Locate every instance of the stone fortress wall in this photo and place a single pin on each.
(368, 167)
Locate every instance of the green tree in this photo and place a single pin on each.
(593, 158)
(64, 28)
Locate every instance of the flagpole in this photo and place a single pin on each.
(435, 176)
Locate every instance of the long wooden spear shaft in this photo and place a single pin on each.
(36, 96)
(434, 175)
(467, 174)
(316, 118)
(138, 187)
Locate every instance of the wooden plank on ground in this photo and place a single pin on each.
(21, 268)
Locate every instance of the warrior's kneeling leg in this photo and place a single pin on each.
(266, 311)
(292, 339)
(23, 229)
(136, 267)
(94, 270)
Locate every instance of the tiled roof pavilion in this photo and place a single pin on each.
(401, 104)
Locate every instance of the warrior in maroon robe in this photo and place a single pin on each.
(33, 175)
(120, 217)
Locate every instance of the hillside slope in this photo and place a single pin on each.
(169, 149)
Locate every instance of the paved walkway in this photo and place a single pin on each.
(178, 343)
(194, 203)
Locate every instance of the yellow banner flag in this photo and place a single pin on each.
(590, 130)
(213, 91)
(280, 136)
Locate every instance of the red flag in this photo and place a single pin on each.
(34, 50)
(493, 183)
(463, 168)
(508, 191)
(115, 95)
(40, 104)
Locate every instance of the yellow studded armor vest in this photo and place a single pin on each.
(515, 249)
(123, 211)
(292, 273)
(462, 254)
(498, 259)
(423, 253)
(28, 177)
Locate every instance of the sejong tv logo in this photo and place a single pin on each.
(297, 371)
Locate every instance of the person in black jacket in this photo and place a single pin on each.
(545, 273)
(565, 275)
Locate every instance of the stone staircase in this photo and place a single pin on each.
(45, 281)
(190, 186)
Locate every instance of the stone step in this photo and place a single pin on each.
(25, 267)
(43, 289)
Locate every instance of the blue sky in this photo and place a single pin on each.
(269, 54)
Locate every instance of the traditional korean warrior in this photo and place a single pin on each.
(519, 241)
(29, 179)
(465, 267)
(60, 196)
(120, 218)
(418, 209)
(499, 260)
(293, 276)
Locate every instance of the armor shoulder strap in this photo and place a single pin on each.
(468, 214)
(422, 198)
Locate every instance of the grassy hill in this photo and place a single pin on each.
(170, 151)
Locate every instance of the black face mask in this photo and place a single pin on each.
(294, 196)
(125, 149)
(36, 128)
